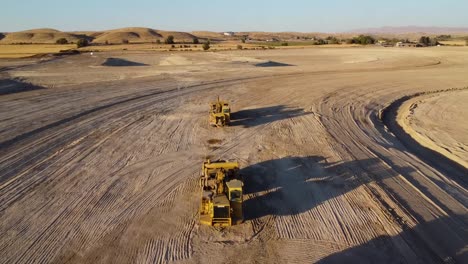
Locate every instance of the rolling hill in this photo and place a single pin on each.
(43, 35)
(116, 36)
(148, 35)
(139, 35)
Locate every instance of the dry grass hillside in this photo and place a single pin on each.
(212, 35)
(179, 36)
(116, 36)
(43, 35)
(139, 35)
(133, 35)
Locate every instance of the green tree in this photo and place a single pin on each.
(332, 40)
(170, 39)
(82, 43)
(425, 40)
(62, 41)
(196, 41)
(206, 45)
(364, 40)
(320, 42)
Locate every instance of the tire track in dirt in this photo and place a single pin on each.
(325, 177)
(431, 199)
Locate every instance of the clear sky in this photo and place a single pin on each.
(232, 15)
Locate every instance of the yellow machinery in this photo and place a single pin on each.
(220, 113)
(221, 203)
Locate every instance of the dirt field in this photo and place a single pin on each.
(99, 164)
(438, 121)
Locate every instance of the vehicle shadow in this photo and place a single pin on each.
(293, 185)
(264, 115)
(9, 86)
(430, 242)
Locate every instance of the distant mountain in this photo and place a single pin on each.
(412, 29)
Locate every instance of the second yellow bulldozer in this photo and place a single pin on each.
(221, 203)
(220, 113)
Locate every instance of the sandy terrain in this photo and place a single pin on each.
(438, 121)
(100, 156)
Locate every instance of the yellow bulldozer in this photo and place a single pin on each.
(221, 201)
(220, 113)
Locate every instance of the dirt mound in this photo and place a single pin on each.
(272, 64)
(117, 62)
(9, 86)
(133, 35)
(37, 36)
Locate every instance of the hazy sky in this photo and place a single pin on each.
(232, 15)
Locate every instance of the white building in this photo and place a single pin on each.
(229, 33)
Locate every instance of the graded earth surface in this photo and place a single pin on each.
(439, 122)
(100, 156)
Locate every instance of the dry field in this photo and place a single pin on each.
(100, 156)
(23, 51)
(33, 50)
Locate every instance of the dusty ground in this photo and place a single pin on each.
(439, 122)
(100, 163)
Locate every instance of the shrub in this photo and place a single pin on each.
(364, 40)
(206, 45)
(320, 42)
(284, 44)
(82, 43)
(196, 41)
(170, 39)
(125, 41)
(444, 37)
(332, 40)
(62, 41)
(239, 47)
(158, 41)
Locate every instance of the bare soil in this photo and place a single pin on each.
(439, 122)
(99, 164)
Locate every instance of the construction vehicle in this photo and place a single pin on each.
(220, 113)
(221, 203)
